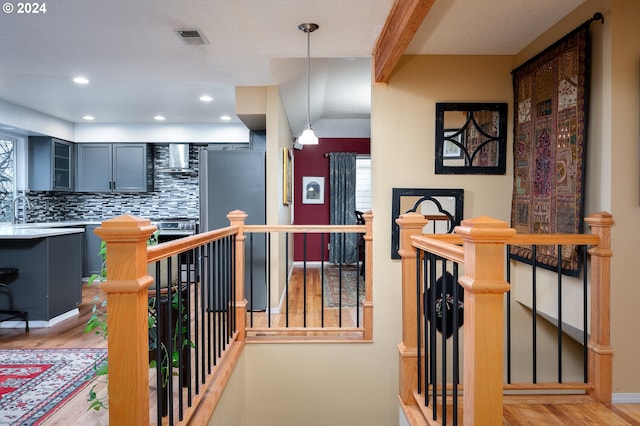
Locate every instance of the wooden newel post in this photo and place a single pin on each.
(484, 287)
(600, 352)
(127, 317)
(238, 218)
(367, 303)
(410, 224)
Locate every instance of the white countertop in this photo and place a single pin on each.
(14, 233)
(38, 230)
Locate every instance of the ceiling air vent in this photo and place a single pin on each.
(191, 36)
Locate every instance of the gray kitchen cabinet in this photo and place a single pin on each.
(50, 164)
(113, 167)
(92, 262)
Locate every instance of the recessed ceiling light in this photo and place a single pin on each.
(81, 80)
(225, 118)
(206, 98)
(88, 117)
(159, 118)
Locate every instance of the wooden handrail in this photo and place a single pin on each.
(306, 228)
(439, 247)
(170, 248)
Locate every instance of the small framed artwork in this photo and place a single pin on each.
(286, 176)
(312, 190)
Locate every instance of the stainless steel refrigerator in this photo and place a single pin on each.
(235, 180)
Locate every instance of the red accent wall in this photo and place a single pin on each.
(311, 161)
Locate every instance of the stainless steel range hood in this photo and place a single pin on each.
(179, 158)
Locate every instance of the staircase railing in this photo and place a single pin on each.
(478, 247)
(177, 315)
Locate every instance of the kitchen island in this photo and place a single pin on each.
(49, 284)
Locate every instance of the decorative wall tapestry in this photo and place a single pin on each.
(550, 102)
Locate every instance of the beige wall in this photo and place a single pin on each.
(625, 203)
(278, 137)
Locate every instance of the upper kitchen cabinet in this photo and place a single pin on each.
(113, 167)
(50, 164)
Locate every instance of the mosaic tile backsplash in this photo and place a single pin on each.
(174, 195)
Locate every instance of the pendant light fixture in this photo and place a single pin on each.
(308, 137)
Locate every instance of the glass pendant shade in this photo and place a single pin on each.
(308, 137)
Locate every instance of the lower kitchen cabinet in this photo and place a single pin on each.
(92, 262)
(49, 282)
(113, 168)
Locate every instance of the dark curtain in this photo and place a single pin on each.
(342, 190)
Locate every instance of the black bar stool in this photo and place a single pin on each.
(7, 275)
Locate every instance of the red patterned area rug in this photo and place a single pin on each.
(35, 383)
(343, 286)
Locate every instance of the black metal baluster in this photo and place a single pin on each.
(216, 303)
(286, 284)
(433, 354)
(358, 304)
(268, 272)
(304, 281)
(456, 347)
(222, 297)
(322, 237)
(169, 344)
(418, 320)
(251, 260)
(559, 274)
(585, 315)
(508, 296)
(534, 313)
(443, 307)
(234, 287)
(340, 290)
(160, 403)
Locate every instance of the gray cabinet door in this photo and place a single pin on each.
(130, 167)
(112, 167)
(94, 168)
(92, 259)
(50, 164)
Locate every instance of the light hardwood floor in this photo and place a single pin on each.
(523, 411)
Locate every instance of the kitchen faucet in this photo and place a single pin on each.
(25, 205)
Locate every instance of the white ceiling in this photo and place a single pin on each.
(139, 67)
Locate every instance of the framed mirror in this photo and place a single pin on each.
(442, 207)
(471, 138)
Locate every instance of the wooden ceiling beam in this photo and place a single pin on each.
(403, 21)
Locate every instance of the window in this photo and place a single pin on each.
(7, 176)
(363, 183)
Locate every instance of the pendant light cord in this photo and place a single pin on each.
(308, 79)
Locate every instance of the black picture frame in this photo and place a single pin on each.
(483, 144)
(416, 197)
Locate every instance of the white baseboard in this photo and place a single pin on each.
(625, 398)
(41, 324)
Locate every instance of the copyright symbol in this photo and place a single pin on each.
(7, 8)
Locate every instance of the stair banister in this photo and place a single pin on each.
(238, 218)
(127, 311)
(410, 224)
(484, 287)
(367, 304)
(600, 356)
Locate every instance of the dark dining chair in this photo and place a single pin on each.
(6, 276)
(361, 246)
